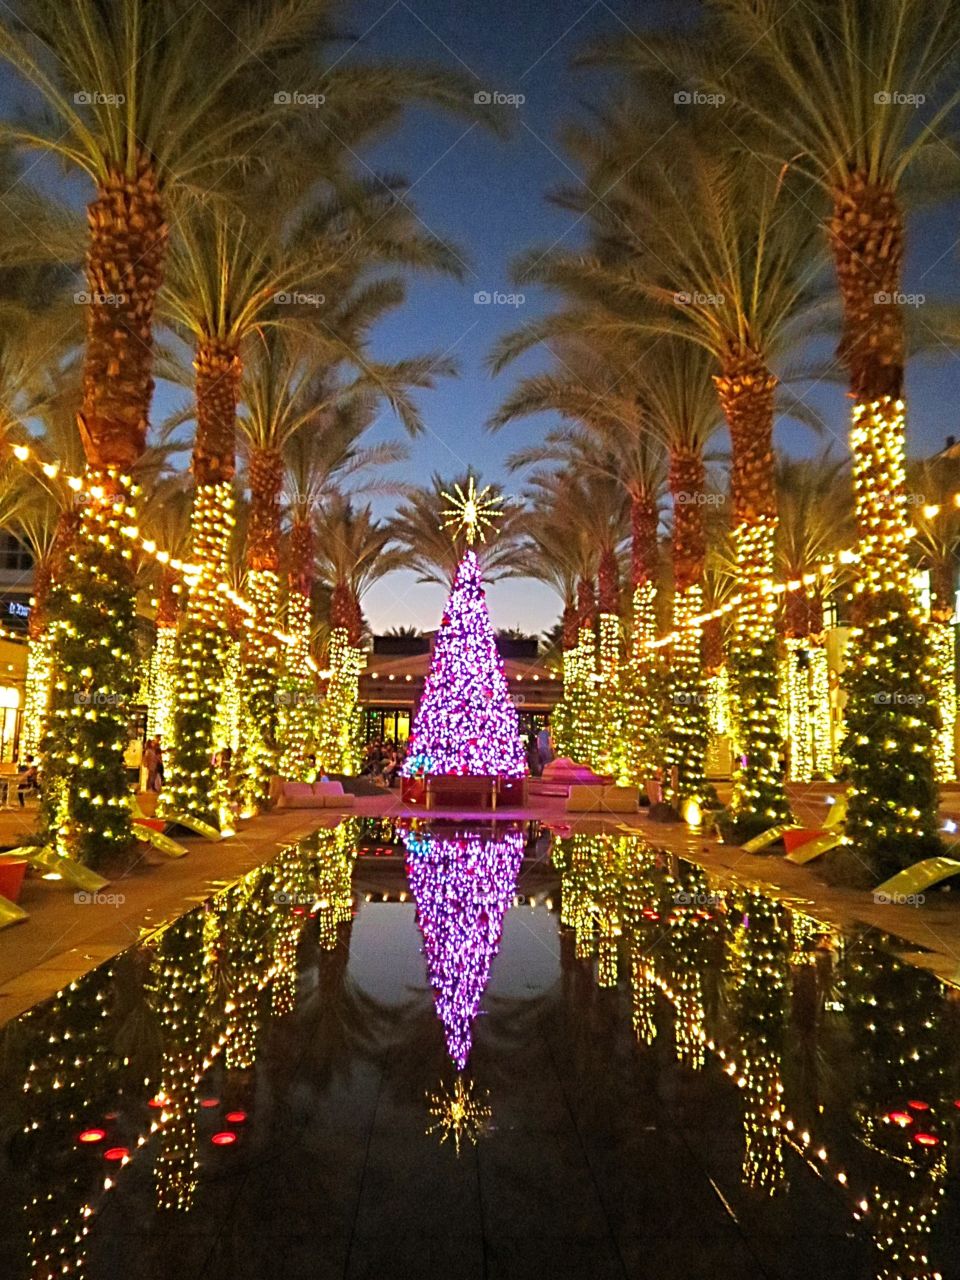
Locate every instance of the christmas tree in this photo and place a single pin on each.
(466, 722)
(463, 886)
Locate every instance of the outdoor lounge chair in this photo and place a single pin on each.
(913, 880)
(834, 819)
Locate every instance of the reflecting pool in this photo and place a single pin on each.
(486, 1050)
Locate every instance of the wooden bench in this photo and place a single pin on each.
(457, 789)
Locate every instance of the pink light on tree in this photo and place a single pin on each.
(463, 886)
(466, 722)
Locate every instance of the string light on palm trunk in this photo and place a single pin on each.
(891, 711)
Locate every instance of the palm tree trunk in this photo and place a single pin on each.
(643, 679)
(163, 675)
(891, 713)
(261, 651)
(746, 388)
(687, 712)
(297, 709)
(337, 746)
(85, 801)
(193, 785)
(612, 749)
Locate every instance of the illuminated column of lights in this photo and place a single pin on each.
(717, 687)
(294, 897)
(192, 784)
(162, 684)
(608, 701)
(70, 1060)
(687, 712)
(176, 990)
(246, 928)
(36, 695)
(226, 726)
(336, 851)
(576, 860)
(758, 798)
(463, 886)
(899, 1020)
(260, 658)
(337, 746)
(643, 992)
(641, 709)
(86, 800)
(822, 738)
(759, 947)
(467, 721)
(891, 715)
(943, 645)
(610, 928)
(298, 696)
(795, 707)
(692, 909)
(583, 705)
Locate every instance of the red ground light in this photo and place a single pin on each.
(92, 1135)
(926, 1139)
(236, 1117)
(116, 1153)
(223, 1139)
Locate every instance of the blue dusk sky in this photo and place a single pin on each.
(488, 196)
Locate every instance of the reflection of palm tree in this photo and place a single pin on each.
(897, 1017)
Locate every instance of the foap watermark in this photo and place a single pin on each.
(697, 98)
(684, 899)
(700, 499)
(899, 899)
(693, 298)
(896, 698)
(94, 98)
(898, 299)
(294, 98)
(284, 899)
(893, 98)
(689, 698)
(98, 698)
(85, 299)
(85, 898)
(493, 298)
(494, 98)
(298, 299)
(297, 698)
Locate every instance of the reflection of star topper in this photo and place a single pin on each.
(471, 511)
(459, 1115)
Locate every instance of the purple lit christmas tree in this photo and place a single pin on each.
(466, 722)
(463, 886)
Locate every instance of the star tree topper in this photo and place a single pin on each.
(474, 512)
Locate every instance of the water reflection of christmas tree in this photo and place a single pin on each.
(463, 885)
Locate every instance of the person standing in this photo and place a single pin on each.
(148, 763)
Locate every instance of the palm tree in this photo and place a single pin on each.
(832, 89)
(319, 457)
(718, 250)
(128, 96)
(640, 403)
(354, 550)
(127, 100)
